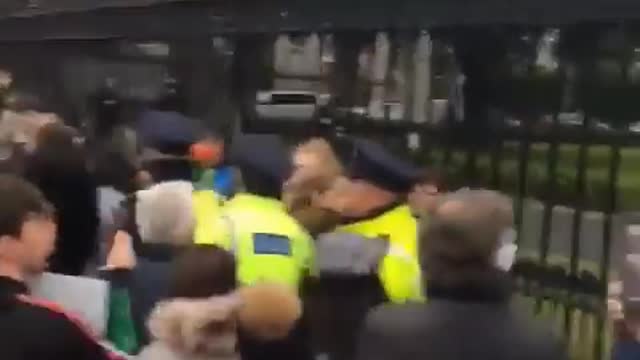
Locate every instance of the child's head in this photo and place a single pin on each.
(202, 271)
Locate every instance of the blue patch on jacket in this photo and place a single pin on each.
(270, 244)
(223, 181)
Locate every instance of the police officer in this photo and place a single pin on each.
(269, 244)
(372, 201)
(379, 233)
(214, 182)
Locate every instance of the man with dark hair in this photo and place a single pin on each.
(24, 215)
(468, 314)
(32, 329)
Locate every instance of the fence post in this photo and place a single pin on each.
(612, 206)
(471, 165)
(581, 172)
(552, 180)
(496, 162)
(523, 173)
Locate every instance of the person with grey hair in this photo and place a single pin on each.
(468, 315)
(164, 213)
(141, 256)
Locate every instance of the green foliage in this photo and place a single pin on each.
(597, 176)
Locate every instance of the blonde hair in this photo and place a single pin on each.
(206, 328)
(319, 167)
(325, 157)
(196, 327)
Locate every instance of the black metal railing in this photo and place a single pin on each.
(566, 293)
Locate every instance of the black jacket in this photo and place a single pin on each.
(73, 193)
(457, 324)
(146, 285)
(32, 329)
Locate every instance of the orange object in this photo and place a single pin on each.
(206, 154)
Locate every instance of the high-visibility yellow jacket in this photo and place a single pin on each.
(399, 272)
(268, 243)
(207, 206)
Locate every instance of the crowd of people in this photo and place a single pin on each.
(252, 249)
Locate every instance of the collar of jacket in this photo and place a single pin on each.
(496, 287)
(157, 252)
(247, 199)
(9, 289)
(373, 213)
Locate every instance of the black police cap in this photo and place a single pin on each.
(370, 161)
(264, 154)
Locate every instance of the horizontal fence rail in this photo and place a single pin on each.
(572, 184)
(566, 286)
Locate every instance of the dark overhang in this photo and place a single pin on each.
(32, 20)
(33, 8)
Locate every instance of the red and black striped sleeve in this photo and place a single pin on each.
(73, 337)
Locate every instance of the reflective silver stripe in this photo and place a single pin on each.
(233, 241)
(400, 252)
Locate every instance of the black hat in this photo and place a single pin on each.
(265, 155)
(367, 160)
(168, 132)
